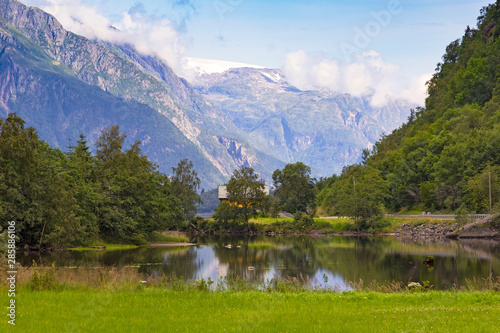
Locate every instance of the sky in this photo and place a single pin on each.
(377, 47)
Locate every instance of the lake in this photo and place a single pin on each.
(327, 261)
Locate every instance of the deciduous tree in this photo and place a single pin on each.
(295, 188)
(245, 193)
(184, 186)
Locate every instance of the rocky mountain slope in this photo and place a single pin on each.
(51, 77)
(323, 129)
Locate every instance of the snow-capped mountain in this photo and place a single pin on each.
(323, 129)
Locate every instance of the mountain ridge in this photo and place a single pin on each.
(446, 157)
(300, 125)
(117, 70)
(40, 89)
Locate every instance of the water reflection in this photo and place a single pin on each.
(326, 261)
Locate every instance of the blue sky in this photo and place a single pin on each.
(263, 32)
(409, 34)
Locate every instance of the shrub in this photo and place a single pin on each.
(462, 215)
(381, 224)
(303, 221)
(495, 221)
(43, 279)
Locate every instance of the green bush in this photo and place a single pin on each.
(43, 278)
(462, 215)
(495, 221)
(303, 221)
(381, 224)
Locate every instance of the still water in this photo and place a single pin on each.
(326, 261)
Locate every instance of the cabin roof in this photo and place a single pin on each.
(223, 191)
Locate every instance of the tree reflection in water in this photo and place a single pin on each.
(327, 261)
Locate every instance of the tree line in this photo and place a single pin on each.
(61, 199)
(69, 198)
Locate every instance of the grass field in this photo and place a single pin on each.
(108, 248)
(340, 225)
(386, 225)
(159, 310)
(267, 224)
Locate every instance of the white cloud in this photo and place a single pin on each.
(149, 34)
(418, 89)
(307, 72)
(368, 74)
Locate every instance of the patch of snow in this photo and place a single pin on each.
(273, 76)
(211, 66)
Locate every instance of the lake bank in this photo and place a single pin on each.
(419, 227)
(414, 227)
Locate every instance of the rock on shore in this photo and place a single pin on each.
(427, 230)
(488, 227)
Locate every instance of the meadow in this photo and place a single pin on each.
(110, 299)
(386, 225)
(160, 310)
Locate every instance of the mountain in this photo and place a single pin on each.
(63, 84)
(323, 129)
(210, 66)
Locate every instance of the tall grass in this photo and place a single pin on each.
(170, 237)
(40, 278)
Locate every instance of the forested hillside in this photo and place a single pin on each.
(443, 158)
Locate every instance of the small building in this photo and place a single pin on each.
(223, 192)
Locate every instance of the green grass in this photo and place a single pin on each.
(269, 220)
(267, 224)
(170, 237)
(158, 310)
(335, 225)
(386, 225)
(108, 248)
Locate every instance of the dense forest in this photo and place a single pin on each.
(447, 154)
(61, 199)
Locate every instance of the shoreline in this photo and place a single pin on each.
(487, 229)
(421, 231)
